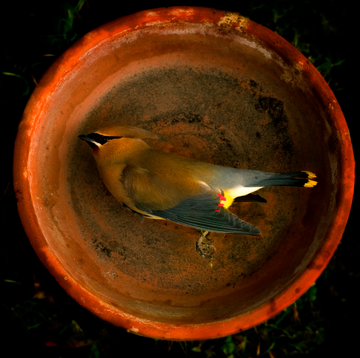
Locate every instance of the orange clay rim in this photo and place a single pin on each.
(38, 104)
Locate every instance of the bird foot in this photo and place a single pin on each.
(204, 246)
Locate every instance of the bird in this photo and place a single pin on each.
(161, 185)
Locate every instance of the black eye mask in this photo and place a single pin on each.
(101, 139)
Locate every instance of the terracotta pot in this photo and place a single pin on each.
(216, 87)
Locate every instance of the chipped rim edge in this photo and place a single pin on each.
(32, 117)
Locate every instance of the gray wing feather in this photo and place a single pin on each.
(202, 212)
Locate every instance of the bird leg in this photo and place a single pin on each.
(204, 246)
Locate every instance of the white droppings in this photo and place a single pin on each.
(151, 13)
(182, 11)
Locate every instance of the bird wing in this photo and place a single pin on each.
(152, 191)
(203, 212)
(195, 204)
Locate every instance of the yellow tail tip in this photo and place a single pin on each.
(310, 183)
(310, 174)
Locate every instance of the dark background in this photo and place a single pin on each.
(38, 317)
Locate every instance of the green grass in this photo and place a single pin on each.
(37, 315)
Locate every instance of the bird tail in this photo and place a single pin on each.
(302, 179)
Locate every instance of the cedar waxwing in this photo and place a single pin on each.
(161, 185)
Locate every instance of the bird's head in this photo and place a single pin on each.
(116, 141)
(103, 136)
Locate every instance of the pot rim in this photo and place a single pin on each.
(37, 105)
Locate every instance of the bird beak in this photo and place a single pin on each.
(84, 137)
(88, 140)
